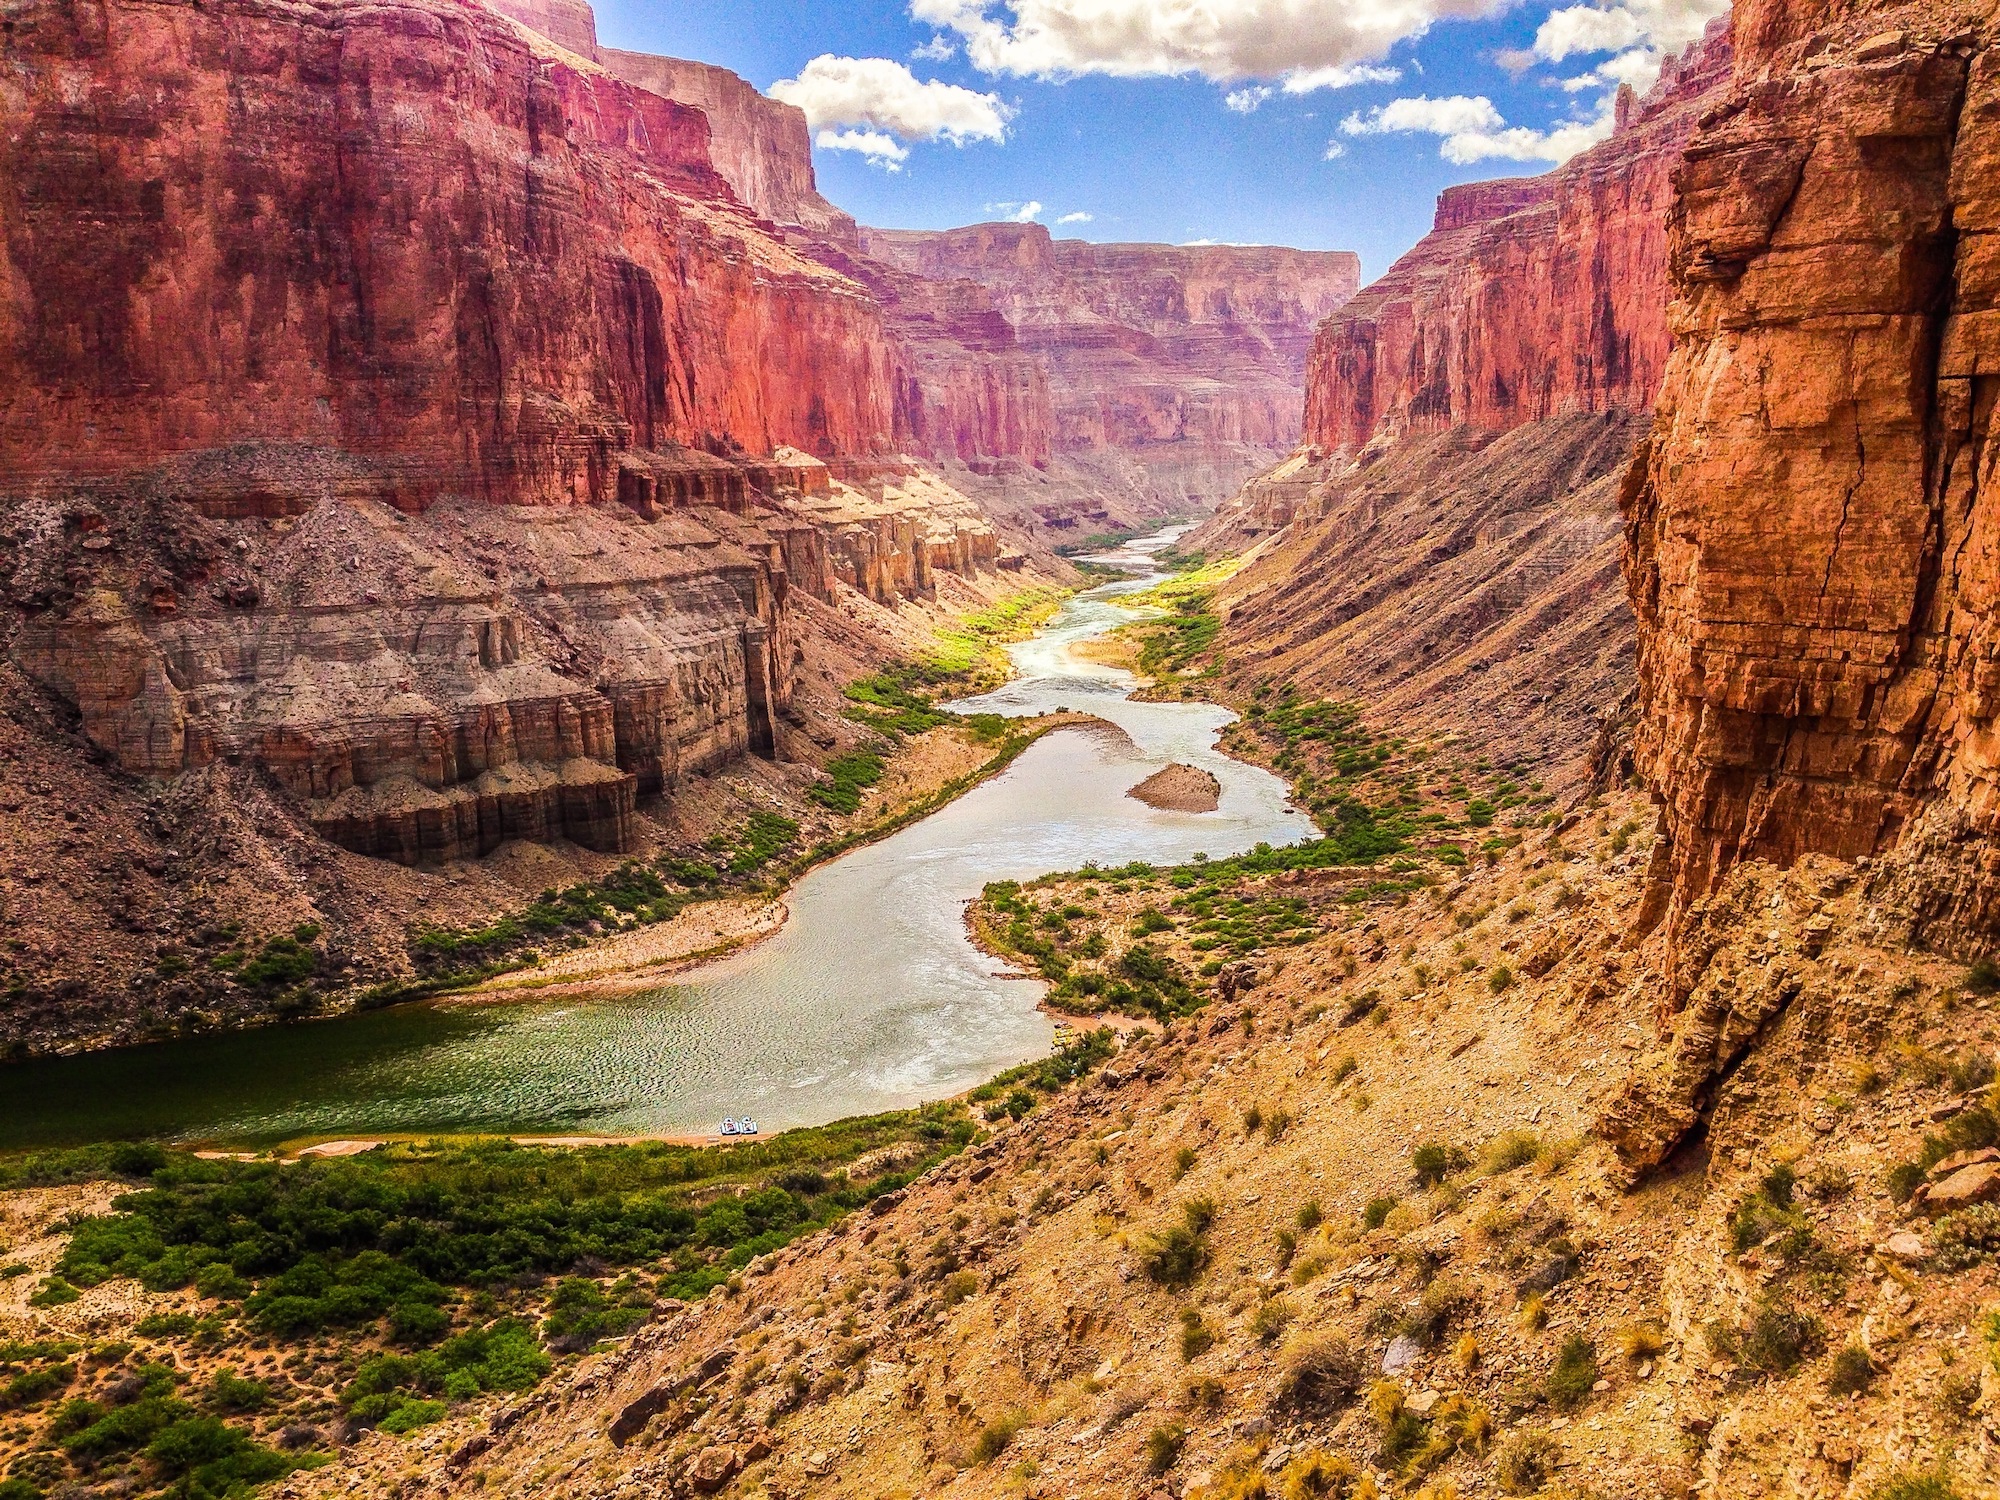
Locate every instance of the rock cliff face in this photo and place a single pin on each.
(347, 266)
(408, 233)
(1531, 298)
(1186, 363)
(759, 145)
(1813, 547)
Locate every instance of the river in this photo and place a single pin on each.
(871, 997)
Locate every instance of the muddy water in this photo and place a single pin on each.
(872, 997)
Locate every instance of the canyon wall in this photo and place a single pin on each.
(1172, 372)
(1813, 551)
(407, 233)
(340, 267)
(1445, 547)
(1531, 298)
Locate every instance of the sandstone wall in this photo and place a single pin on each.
(1531, 298)
(410, 232)
(1813, 549)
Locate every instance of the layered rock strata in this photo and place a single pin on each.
(1812, 548)
(1531, 298)
(410, 233)
(1185, 360)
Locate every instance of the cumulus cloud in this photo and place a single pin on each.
(939, 48)
(1334, 151)
(881, 150)
(1338, 78)
(1473, 130)
(1016, 213)
(1227, 41)
(1640, 32)
(1078, 217)
(876, 107)
(1245, 101)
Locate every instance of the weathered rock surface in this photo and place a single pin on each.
(1531, 298)
(1812, 551)
(1185, 360)
(412, 233)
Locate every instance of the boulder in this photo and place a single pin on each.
(712, 1468)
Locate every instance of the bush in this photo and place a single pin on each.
(1184, 1160)
(1912, 1484)
(1852, 1371)
(1904, 1180)
(1310, 1215)
(995, 1437)
(580, 1315)
(1270, 1319)
(1319, 1475)
(1163, 1447)
(1434, 1161)
(1641, 1341)
(1569, 1383)
(1499, 979)
(1967, 1237)
(1320, 1376)
(1196, 1337)
(1174, 1256)
(1507, 1151)
(1376, 1214)
(1526, 1462)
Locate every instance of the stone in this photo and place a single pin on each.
(1965, 1187)
(1402, 1353)
(712, 1468)
(1905, 1246)
(1961, 1159)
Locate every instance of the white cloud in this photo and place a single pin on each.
(1582, 29)
(1473, 130)
(859, 103)
(881, 150)
(1245, 100)
(1016, 213)
(1334, 151)
(1079, 217)
(939, 48)
(1227, 41)
(1339, 78)
(1640, 32)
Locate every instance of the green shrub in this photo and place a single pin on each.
(1270, 1319)
(1852, 1371)
(1174, 1256)
(1967, 1237)
(1569, 1383)
(580, 1315)
(1376, 1214)
(1310, 1215)
(1163, 1447)
(1527, 1462)
(1509, 1150)
(1434, 1161)
(1499, 979)
(1915, 1484)
(1196, 1336)
(994, 1438)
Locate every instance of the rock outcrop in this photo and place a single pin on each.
(1445, 546)
(1531, 298)
(1812, 549)
(759, 145)
(411, 234)
(1172, 372)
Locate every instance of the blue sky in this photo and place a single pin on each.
(977, 109)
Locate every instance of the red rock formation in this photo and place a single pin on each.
(1812, 555)
(409, 232)
(759, 145)
(1531, 298)
(1182, 360)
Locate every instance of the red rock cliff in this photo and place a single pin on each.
(1147, 345)
(1532, 297)
(1813, 549)
(410, 232)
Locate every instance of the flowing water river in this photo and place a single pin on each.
(871, 997)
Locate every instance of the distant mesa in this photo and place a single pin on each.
(1179, 788)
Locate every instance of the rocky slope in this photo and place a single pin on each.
(1445, 546)
(1811, 548)
(1173, 372)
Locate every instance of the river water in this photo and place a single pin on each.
(871, 997)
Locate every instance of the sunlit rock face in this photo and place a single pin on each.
(1531, 298)
(1813, 548)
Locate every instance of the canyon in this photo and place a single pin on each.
(1445, 543)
